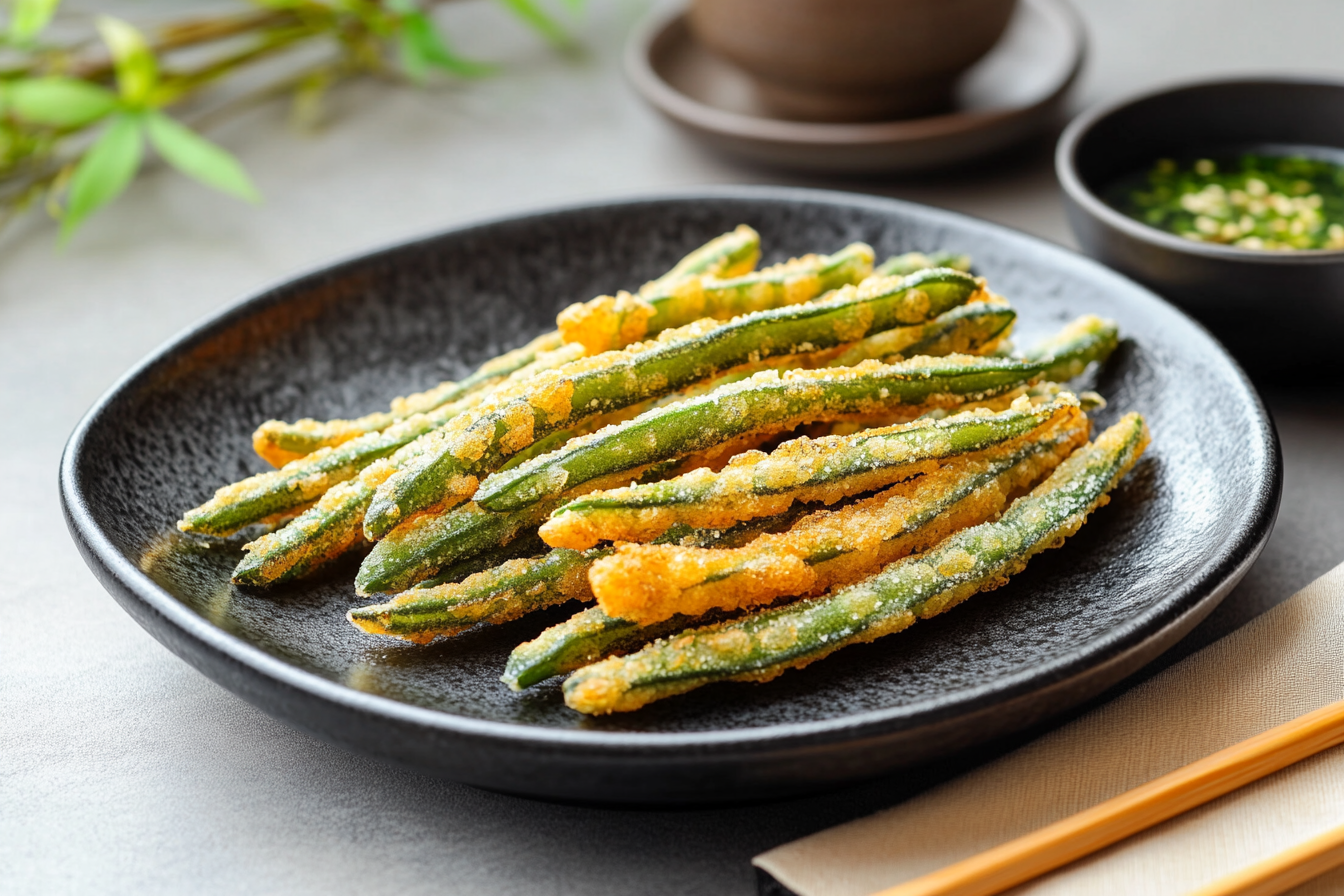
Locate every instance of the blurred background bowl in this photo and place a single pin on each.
(1280, 313)
(852, 60)
(1016, 91)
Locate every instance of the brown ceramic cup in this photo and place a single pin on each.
(852, 60)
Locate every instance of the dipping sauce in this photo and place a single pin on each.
(1277, 203)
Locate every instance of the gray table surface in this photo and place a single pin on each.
(127, 771)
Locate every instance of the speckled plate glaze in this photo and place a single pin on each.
(1181, 531)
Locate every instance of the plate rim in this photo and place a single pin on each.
(1213, 580)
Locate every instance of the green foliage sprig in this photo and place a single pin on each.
(75, 116)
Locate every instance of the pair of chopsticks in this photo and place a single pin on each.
(1058, 844)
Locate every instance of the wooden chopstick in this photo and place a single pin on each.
(1068, 839)
(1280, 873)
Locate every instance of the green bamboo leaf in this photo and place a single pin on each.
(533, 15)
(60, 102)
(197, 157)
(424, 47)
(413, 61)
(29, 17)
(137, 71)
(104, 172)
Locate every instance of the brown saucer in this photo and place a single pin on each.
(1012, 93)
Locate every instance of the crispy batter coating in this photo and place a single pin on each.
(302, 488)
(648, 583)
(728, 255)
(978, 327)
(755, 484)
(320, 534)
(764, 644)
(610, 322)
(509, 415)
(280, 494)
(278, 442)
(438, 478)
(498, 595)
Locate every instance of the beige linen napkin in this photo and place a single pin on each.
(1288, 662)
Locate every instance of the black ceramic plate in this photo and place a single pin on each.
(1182, 528)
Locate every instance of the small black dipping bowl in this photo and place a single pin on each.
(1280, 313)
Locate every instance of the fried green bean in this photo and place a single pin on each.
(901, 265)
(322, 533)
(428, 543)
(523, 547)
(835, 548)
(773, 402)
(586, 637)
(319, 535)
(613, 322)
(278, 442)
(824, 470)
(278, 494)
(1066, 365)
(497, 595)
(431, 543)
(315, 537)
(728, 255)
(977, 328)
(789, 283)
(518, 586)
(451, 461)
(648, 583)
(763, 645)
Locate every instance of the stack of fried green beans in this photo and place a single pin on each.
(618, 459)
